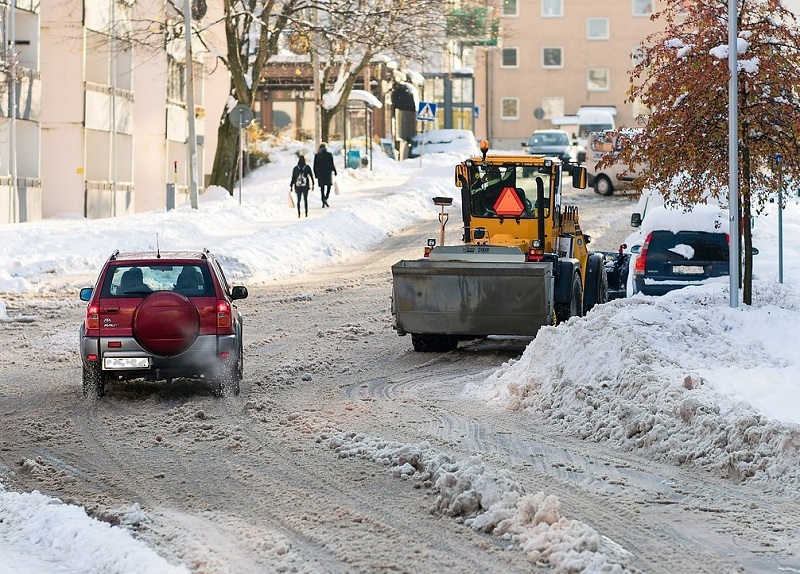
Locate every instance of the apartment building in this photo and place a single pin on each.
(93, 114)
(20, 107)
(556, 56)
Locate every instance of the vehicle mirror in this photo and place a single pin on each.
(86, 293)
(636, 219)
(754, 251)
(578, 176)
(636, 249)
(239, 292)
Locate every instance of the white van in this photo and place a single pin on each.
(588, 119)
(592, 120)
(616, 176)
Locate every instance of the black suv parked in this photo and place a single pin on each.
(669, 261)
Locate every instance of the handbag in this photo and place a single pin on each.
(335, 187)
(291, 199)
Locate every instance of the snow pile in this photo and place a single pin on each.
(649, 377)
(488, 500)
(37, 530)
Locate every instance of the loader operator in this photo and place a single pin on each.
(486, 190)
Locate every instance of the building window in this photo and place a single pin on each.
(553, 106)
(597, 28)
(176, 80)
(510, 8)
(509, 108)
(552, 57)
(597, 80)
(552, 8)
(642, 7)
(509, 58)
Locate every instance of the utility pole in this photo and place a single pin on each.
(112, 63)
(733, 154)
(315, 50)
(187, 16)
(12, 112)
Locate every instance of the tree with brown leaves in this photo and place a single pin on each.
(682, 78)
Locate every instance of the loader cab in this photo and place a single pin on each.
(510, 190)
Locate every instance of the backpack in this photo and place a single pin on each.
(302, 179)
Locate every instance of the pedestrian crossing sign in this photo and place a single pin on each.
(426, 112)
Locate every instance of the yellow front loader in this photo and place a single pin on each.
(523, 263)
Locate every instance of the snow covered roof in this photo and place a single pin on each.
(364, 96)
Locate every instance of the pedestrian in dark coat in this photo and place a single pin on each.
(324, 170)
(302, 181)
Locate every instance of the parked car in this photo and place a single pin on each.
(554, 143)
(161, 316)
(444, 140)
(674, 249)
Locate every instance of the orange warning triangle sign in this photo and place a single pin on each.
(509, 204)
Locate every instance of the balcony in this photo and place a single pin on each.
(28, 94)
(98, 110)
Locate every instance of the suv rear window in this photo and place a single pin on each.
(687, 246)
(139, 280)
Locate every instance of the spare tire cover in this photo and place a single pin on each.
(166, 323)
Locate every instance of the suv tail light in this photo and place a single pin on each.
(93, 316)
(638, 268)
(223, 314)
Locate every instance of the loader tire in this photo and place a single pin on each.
(575, 306)
(434, 343)
(596, 290)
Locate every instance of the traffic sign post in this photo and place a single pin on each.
(240, 117)
(538, 113)
(426, 112)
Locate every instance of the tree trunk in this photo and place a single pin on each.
(326, 116)
(224, 173)
(746, 229)
(747, 293)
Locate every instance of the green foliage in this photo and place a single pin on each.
(471, 23)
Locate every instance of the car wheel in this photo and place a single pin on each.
(166, 323)
(225, 378)
(602, 185)
(93, 382)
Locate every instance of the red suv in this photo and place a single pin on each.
(161, 316)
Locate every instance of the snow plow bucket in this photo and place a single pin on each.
(469, 298)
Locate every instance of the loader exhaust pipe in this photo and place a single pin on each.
(540, 210)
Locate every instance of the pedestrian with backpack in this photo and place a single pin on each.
(302, 181)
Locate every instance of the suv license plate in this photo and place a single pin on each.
(688, 269)
(126, 363)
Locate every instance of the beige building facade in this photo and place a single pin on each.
(94, 117)
(556, 56)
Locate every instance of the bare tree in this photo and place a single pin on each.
(682, 78)
(347, 34)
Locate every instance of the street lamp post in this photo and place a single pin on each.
(187, 15)
(733, 154)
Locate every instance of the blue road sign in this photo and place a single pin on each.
(426, 112)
